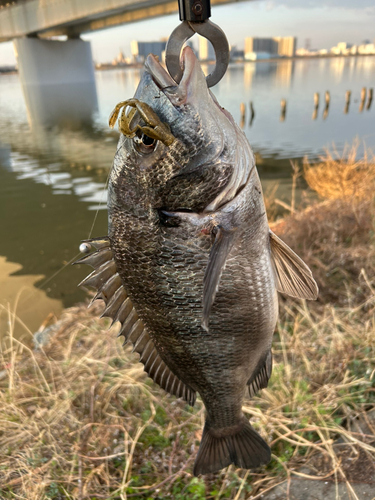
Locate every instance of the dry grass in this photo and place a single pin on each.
(336, 237)
(343, 176)
(79, 419)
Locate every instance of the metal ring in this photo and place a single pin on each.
(208, 30)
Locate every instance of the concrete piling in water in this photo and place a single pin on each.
(370, 97)
(58, 81)
(283, 110)
(327, 98)
(348, 95)
(363, 99)
(243, 114)
(316, 105)
(252, 113)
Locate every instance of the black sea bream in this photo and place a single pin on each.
(190, 267)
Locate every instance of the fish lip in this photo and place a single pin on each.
(159, 74)
(177, 93)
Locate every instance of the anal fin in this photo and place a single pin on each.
(119, 307)
(259, 380)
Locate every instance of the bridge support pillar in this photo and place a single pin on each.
(57, 79)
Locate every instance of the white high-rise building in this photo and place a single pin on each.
(256, 48)
(286, 46)
(206, 50)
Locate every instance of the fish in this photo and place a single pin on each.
(190, 267)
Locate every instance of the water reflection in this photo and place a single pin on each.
(249, 70)
(284, 73)
(65, 105)
(337, 67)
(278, 73)
(370, 97)
(18, 300)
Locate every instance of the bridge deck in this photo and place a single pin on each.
(47, 18)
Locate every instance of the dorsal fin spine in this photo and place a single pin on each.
(138, 341)
(124, 311)
(143, 355)
(119, 307)
(153, 364)
(135, 331)
(114, 303)
(157, 372)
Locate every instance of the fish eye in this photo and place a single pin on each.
(144, 143)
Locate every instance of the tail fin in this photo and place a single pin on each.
(241, 446)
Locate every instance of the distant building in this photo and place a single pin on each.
(259, 48)
(236, 54)
(206, 51)
(257, 56)
(265, 45)
(121, 58)
(189, 43)
(303, 52)
(367, 48)
(342, 48)
(346, 49)
(286, 45)
(140, 50)
(8, 69)
(311, 52)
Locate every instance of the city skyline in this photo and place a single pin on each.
(323, 23)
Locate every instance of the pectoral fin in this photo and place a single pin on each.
(292, 275)
(223, 243)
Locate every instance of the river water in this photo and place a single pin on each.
(56, 150)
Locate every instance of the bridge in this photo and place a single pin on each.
(58, 76)
(46, 18)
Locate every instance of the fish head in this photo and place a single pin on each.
(198, 154)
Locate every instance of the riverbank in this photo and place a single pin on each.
(80, 420)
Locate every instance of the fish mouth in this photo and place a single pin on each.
(193, 78)
(219, 125)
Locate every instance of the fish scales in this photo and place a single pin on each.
(199, 267)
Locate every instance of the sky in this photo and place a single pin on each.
(324, 22)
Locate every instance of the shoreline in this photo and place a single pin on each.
(109, 66)
(106, 67)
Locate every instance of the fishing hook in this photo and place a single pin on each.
(194, 15)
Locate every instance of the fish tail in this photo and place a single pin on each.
(240, 445)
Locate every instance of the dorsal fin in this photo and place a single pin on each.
(119, 307)
(292, 275)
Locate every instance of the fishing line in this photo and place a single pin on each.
(91, 230)
(57, 272)
(100, 204)
(40, 287)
